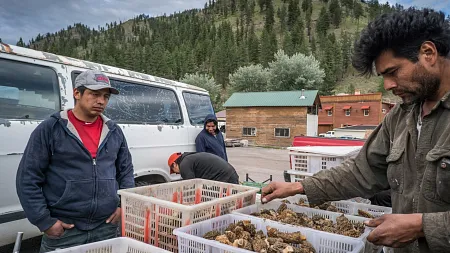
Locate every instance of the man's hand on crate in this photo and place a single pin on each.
(395, 230)
(115, 217)
(277, 190)
(57, 230)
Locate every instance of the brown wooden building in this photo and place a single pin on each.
(349, 110)
(272, 118)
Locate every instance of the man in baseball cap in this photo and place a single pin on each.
(73, 165)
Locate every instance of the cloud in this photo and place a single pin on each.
(28, 18)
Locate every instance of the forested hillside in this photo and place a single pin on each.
(214, 42)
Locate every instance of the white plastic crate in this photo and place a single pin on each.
(308, 160)
(190, 238)
(151, 213)
(310, 212)
(349, 207)
(116, 245)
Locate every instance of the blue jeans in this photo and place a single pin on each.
(75, 237)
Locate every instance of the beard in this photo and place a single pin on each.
(423, 86)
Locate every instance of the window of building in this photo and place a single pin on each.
(347, 112)
(366, 112)
(282, 132)
(198, 107)
(330, 112)
(248, 131)
(28, 91)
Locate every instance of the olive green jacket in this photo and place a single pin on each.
(416, 170)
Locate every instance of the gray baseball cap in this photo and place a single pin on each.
(94, 80)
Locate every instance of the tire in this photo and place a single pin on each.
(149, 180)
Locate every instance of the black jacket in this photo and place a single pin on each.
(206, 166)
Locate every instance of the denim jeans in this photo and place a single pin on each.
(75, 237)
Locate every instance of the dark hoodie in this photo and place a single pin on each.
(206, 166)
(58, 179)
(206, 142)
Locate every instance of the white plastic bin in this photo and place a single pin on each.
(349, 207)
(310, 212)
(151, 213)
(117, 245)
(190, 238)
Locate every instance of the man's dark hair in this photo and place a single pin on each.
(81, 89)
(402, 32)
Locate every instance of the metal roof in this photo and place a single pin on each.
(40, 55)
(272, 99)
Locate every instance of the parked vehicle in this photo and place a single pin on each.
(327, 134)
(158, 117)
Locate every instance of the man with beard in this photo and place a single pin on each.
(409, 152)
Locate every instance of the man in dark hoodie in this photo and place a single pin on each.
(202, 165)
(210, 139)
(72, 167)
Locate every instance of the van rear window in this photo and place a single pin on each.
(198, 107)
(27, 91)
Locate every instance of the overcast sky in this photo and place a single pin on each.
(28, 18)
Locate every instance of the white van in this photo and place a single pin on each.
(158, 117)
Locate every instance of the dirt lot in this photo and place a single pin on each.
(259, 163)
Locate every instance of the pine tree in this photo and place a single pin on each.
(282, 13)
(269, 18)
(261, 4)
(348, 5)
(20, 43)
(324, 22)
(268, 46)
(336, 12)
(253, 46)
(298, 35)
(293, 13)
(288, 46)
(358, 12)
(346, 51)
(306, 4)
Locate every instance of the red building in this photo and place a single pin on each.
(348, 110)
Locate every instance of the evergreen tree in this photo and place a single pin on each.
(298, 36)
(288, 46)
(358, 12)
(261, 4)
(324, 22)
(306, 4)
(346, 51)
(20, 43)
(282, 14)
(293, 13)
(253, 46)
(336, 13)
(268, 46)
(269, 18)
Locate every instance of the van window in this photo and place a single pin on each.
(27, 91)
(198, 107)
(138, 103)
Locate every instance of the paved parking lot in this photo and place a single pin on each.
(259, 163)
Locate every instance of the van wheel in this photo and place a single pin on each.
(149, 180)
